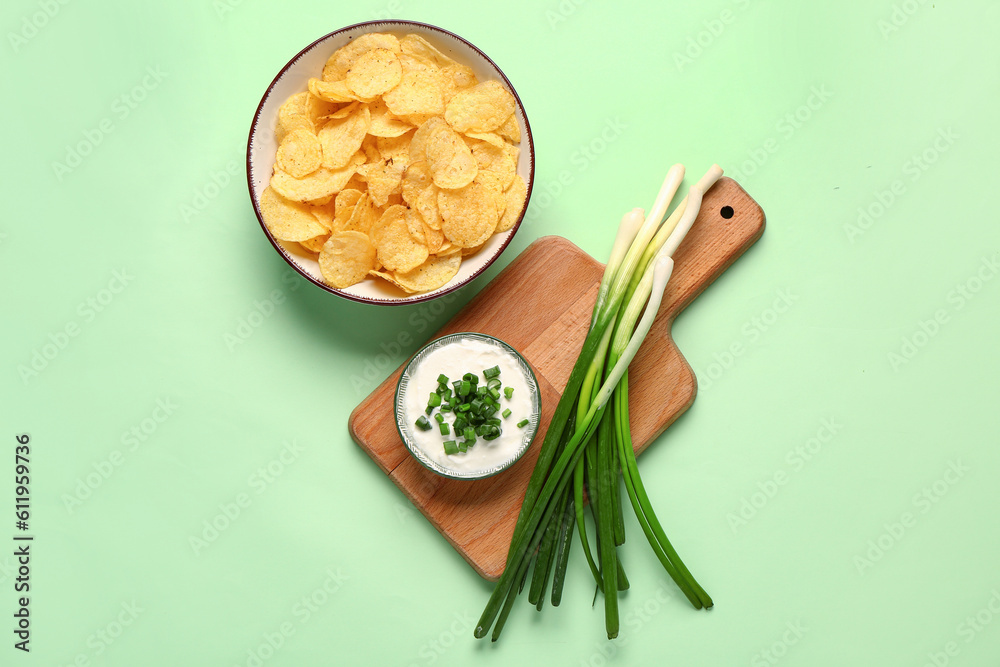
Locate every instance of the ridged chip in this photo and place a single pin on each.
(288, 220)
(341, 138)
(346, 258)
(432, 274)
(482, 108)
(373, 73)
(299, 153)
(468, 215)
(449, 160)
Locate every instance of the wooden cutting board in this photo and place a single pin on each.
(541, 305)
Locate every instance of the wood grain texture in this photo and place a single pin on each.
(541, 304)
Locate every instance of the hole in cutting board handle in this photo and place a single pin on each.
(726, 212)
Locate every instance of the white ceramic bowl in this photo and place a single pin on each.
(293, 78)
(498, 461)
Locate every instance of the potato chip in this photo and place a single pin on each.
(299, 153)
(459, 76)
(314, 245)
(288, 220)
(344, 205)
(418, 47)
(373, 73)
(465, 252)
(417, 119)
(510, 129)
(342, 112)
(320, 201)
(416, 178)
(361, 217)
(468, 215)
(397, 249)
(423, 132)
(496, 160)
(340, 62)
(356, 183)
(292, 116)
(449, 159)
(318, 110)
(433, 238)
(341, 138)
(319, 183)
(515, 197)
(482, 108)
(346, 258)
(418, 92)
(331, 91)
(384, 124)
(414, 63)
(389, 216)
(432, 274)
(389, 277)
(415, 225)
(384, 181)
(489, 137)
(325, 213)
(396, 149)
(427, 206)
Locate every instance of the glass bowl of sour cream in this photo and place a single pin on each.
(465, 381)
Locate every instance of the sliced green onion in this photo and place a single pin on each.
(506, 413)
(423, 424)
(450, 447)
(444, 428)
(491, 373)
(522, 423)
(508, 392)
(442, 379)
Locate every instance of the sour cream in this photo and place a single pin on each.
(455, 355)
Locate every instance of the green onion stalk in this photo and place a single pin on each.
(588, 445)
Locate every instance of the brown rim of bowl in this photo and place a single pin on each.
(418, 298)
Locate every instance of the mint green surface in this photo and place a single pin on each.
(834, 487)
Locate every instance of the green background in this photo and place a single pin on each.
(873, 550)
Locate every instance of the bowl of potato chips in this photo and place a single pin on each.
(390, 162)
